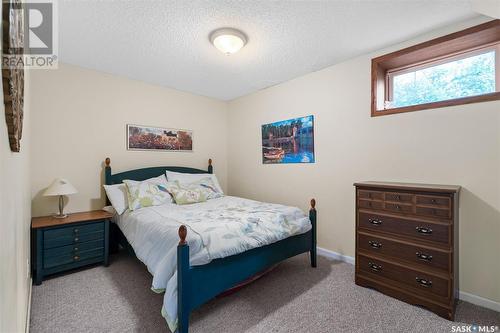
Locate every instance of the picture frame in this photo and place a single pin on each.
(154, 138)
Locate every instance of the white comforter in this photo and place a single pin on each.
(216, 228)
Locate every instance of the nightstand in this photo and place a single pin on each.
(78, 240)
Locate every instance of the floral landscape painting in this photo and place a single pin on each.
(157, 138)
(288, 141)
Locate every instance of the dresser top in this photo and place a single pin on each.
(50, 221)
(410, 186)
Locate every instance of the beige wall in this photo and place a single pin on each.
(80, 116)
(14, 225)
(454, 145)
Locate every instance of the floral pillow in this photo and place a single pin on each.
(206, 185)
(151, 192)
(188, 195)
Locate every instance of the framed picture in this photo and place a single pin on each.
(158, 138)
(288, 141)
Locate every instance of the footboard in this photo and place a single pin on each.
(198, 284)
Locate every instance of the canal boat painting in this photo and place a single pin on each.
(158, 138)
(288, 141)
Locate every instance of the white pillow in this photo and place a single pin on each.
(188, 178)
(117, 195)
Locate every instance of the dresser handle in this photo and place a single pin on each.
(76, 231)
(423, 230)
(433, 201)
(375, 221)
(423, 282)
(375, 267)
(423, 256)
(375, 245)
(398, 197)
(398, 207)
(76, 249)
(76, 258)
(77, 239)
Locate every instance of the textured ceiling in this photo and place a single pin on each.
(166, 42)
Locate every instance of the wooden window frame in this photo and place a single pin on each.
(461, 44)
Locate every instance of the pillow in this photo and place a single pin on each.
(150, 192)
(117, 195)
(207, 186)
(184, 195)
(187, 178)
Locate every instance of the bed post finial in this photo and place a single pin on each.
(210, 167)
(313, 219)
(182, 234)
(107, 161)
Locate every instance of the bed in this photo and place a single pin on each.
(198, 265)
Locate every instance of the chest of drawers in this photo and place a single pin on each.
(63, 244)
(407, 242)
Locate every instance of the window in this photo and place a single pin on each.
(460, 68)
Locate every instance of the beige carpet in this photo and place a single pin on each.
(292, 298)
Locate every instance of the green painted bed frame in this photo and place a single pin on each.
(198, 284)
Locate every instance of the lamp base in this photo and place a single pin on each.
(60, 216)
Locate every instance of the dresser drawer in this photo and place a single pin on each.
(73, 230)
(72, 257)
(399, 208)
(371, 195)
(399, 197)
(414, 228)
(73, 249)
(72, 239)
(417, 280)
(434, 201)
(412, 253)
(379, 205)
(433, 212)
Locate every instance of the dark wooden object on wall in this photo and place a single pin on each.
(13, 75)
(407, 242)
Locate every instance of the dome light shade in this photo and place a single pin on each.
(228, 40)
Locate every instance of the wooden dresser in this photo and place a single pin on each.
(407, 242)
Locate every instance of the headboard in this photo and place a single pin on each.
(145, 173)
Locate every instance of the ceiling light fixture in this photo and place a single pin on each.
(228, 40)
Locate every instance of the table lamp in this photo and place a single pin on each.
(60, 187)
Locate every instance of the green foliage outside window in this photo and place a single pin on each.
(461, 78)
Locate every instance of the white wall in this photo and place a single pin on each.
(15, 220)
(79, 119)
(455, 145)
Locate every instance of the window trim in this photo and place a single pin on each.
(462, 44)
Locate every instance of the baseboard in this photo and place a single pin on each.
(28, 312)
(464, 296)
(478, 300)
(335, 255)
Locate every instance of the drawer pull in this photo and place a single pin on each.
(76, 258)
(423, 256)
(375, 221)
(375, 267)
(77, 239)
(423, 230)
(434, 201)
(375, 245)
(76, 231)
(398, 197)
(76, 249)
(423, 282)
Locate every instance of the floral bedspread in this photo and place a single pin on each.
(217, 228)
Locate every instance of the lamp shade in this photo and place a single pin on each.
(60, 187)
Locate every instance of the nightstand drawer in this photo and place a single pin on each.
(73, 230)
(73, 249)
(72, 239)
(72, 258)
